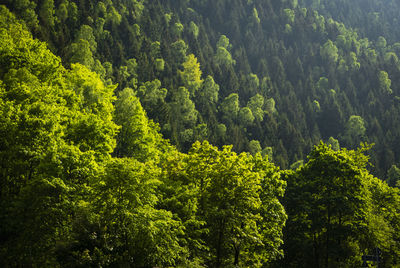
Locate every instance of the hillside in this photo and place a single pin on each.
(198, 126)
(296, 75)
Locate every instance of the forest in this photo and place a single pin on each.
(199, 133)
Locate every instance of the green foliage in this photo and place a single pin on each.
(56, 126)
(384, 83)
(334, 143)
(80, 52)
(354, 131)
(151, 94)
(224, 42)
(393, 176)
(329, 52)
(289, 45)
(316, 106)
(209, 90)
(98, 186)
(179, 51)
(125, 198)
(254, 147)
(245, 116)
(329, 204)
(256, 19)
(159, 63)
(256, 104)
(194, 30)
(191, 74)
(223, 57)
(270, 106)
(86, 33)
(46, 13)
(137, 137)
(231, 199)
(289, 15)
(186, 114)
(177, 28)
(230, 106)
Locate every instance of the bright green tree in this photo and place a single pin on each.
(56, 128)
(151, 94)
(329, 52)
(234, 202)
(191, 75)
(209, 91)
(121, 226)
(256, 104)
(223, 56)
(245, 116)
(384, 82)
(230, 106)
(194, 29)
(138, 135)
(254, 147)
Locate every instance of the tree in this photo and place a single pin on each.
(86, 33)
(334, 143)
(127, 74)
(354, 131)
(138, 136)
(234, 202)
(254, 147)
(381, 44)
(253, 83)
(384, 82)
(194, 29)
(223, 56)
(95, 131)
(223, 41)
(209, 90)
(191, 74)
(80, 52)
(256, 104)
(56, 128)
(177, 29)
(255, 17)
(179, 51)
(289, 15)
(155, 50)
(329, 52)
(230, 106)
(159, 64)
(270, 106)
(124, 227)
(245, 116)
(46, 13)
(328, 204)
(151, 94)
(26, 11)
(185, 116)
(393, 176)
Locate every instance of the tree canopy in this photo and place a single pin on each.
(199, 133)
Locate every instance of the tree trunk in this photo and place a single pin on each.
(219, 245)
(237, 254)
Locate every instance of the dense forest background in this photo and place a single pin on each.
(115, 125)
(276, 76)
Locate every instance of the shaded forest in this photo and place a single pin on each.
(204, 133)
